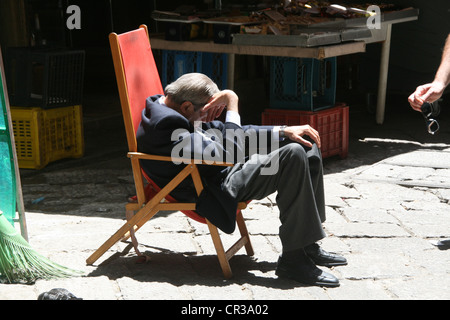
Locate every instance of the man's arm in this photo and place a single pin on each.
(443, 73)
(225, 99)
(431, 92)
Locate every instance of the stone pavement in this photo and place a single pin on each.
(386, 204)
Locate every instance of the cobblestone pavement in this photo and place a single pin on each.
(387, 205)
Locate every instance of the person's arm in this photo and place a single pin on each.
(431, 92)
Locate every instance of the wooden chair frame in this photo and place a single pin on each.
(144, 208)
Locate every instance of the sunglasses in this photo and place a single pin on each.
(429, 111)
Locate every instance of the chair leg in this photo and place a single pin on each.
(221, 255)
(144, 213)
(129, 214)
(244, 233)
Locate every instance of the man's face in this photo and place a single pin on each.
(193, 112)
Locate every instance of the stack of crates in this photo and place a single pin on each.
(45, 89)
(177, 63)
(303, 91)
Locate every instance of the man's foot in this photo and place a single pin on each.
(322, 258)
(303, 270)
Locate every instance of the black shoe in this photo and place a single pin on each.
(442, 244)
(305, 271)
(57, 294)
(322, 258)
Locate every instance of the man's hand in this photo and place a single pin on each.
(296, 133)
(429, 92)
(224, 99)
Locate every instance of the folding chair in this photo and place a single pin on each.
(137, 79)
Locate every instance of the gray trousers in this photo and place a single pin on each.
(300, 191)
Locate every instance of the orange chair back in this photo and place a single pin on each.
(140, 75)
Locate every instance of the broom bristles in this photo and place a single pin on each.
(19, 262)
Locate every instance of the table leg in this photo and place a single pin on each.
(382, 82)
(231, 64)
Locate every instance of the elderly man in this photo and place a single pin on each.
(266, 159)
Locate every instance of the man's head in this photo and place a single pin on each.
(189, 94)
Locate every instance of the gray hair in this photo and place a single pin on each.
(194, 87)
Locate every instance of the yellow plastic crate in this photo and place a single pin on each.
(46, 135)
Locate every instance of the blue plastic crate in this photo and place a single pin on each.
(302, 84)
(177, 63)
(215, 66)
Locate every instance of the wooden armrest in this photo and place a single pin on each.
(146, 156)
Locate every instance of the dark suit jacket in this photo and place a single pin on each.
(164, 131)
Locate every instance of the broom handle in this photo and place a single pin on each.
(19, 196)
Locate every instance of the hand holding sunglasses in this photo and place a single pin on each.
(429, 112)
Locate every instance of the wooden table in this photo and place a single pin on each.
(321, 52)
(383, 35)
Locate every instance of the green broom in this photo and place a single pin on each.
(19, 263)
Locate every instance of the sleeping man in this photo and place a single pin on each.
(267, 159)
